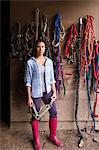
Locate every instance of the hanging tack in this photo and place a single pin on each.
(81, 143)
(37, 22)
(96, 139)
(80, 20)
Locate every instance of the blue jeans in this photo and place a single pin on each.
(46, 99)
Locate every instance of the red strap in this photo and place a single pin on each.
(96, 74)
(88, 43)
(71, 39)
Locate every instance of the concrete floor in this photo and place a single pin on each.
(19, 137)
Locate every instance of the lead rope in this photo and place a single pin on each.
(86, 66)
(96, 76)
(88, 75)
(78, 61)
(57, 60)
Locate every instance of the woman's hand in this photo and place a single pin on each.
(30, 102)
(54, 96)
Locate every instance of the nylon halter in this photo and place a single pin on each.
(73, 34)
(87, 50)
(57, 54)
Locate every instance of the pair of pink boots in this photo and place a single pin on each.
(53, 138)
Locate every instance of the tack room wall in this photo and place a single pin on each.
(70, 11)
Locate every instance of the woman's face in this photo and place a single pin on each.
(40, 49)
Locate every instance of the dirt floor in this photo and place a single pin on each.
(20, 138)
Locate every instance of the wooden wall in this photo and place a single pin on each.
(70, 12)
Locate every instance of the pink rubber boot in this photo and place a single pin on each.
(53, 128)
(35, 128)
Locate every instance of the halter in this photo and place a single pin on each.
(72, 39)
(59, 75)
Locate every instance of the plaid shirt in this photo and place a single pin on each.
(33, 76)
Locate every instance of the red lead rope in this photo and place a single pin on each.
(87, 44)
(71, 40)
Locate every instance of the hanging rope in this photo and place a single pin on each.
(87, 43)
(88, 74)
(96, 77)
(87, 58)
(78, 80)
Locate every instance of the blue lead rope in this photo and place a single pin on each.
(58, 62)
(57, 36)
(89, 95)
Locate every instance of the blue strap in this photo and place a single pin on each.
(89, 96)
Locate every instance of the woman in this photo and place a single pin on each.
(40, 84)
